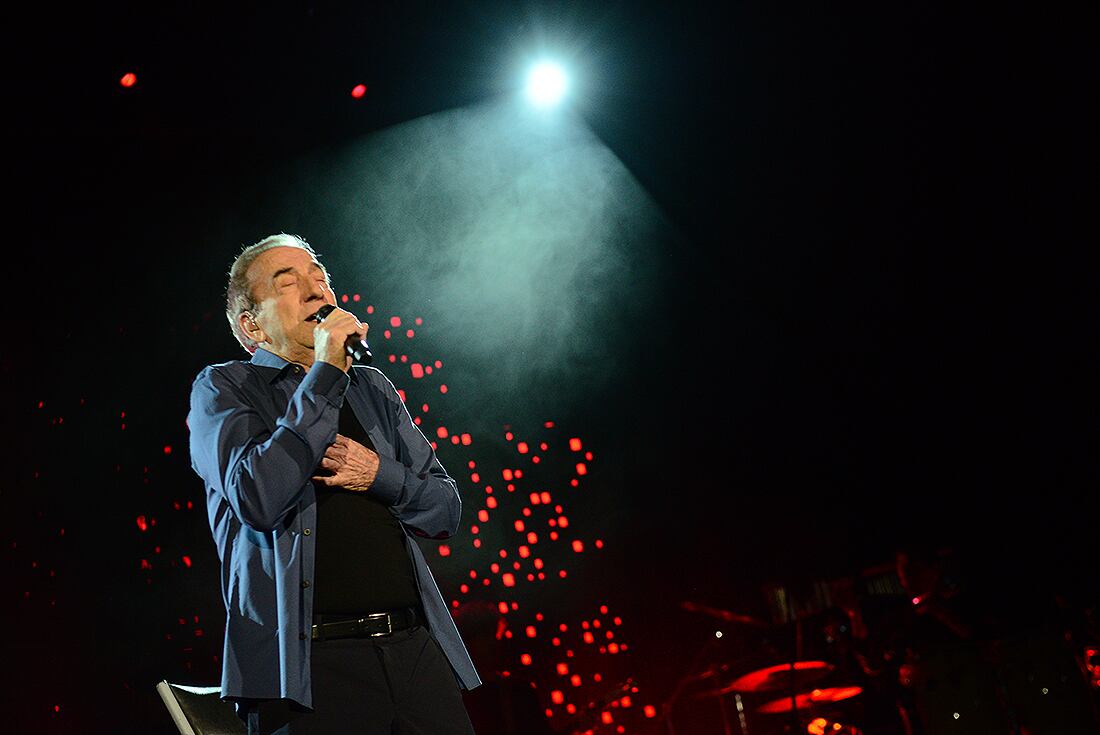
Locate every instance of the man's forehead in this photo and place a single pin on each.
(279, 257)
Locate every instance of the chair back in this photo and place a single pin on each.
(200, 710)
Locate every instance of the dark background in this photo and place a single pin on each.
(874, 331)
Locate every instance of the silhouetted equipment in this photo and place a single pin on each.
(896, 649)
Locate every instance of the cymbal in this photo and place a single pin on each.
(725, 615)
(810, 699)
(774, 678)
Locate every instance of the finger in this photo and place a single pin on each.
(323, 479)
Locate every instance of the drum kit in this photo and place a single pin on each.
(796, 674)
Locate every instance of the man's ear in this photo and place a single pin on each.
(248, 324)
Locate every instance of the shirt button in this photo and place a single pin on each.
(305, 583)
(307, 532)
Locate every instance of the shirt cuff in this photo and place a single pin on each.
(389, 481)
(325, 379)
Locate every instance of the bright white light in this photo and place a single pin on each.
(546, 84)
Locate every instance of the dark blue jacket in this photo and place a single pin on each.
(259, 429)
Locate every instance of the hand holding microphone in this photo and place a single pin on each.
(339, 338)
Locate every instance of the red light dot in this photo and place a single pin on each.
(575, 680)
(522, 447)
(575, 444)
(525, 659)
(581, 469)
(557, 697)
(483, 515)
(578, 546)
(344, 298)
(417, 371)
(355, 297)
(187, 561)
(128, 79)
(358, 91)
(441, 432)
(444, 550)
(509, 579)
(650, 710)
(410, 334)
(531, 632)
(518, 525)
(491, 502)
(503, 607)
(395, 321)
(532, 538)
(442, 389)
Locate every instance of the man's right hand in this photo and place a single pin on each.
(331, 336)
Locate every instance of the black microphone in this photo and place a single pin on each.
(357, 348)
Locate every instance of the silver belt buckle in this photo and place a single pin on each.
(378, 616)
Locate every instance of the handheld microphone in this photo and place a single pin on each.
(357, 348)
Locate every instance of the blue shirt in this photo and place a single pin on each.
(259, 429)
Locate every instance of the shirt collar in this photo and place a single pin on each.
(276, 365)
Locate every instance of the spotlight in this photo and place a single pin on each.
(546, 84)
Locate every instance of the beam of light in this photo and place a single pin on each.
(546, 84)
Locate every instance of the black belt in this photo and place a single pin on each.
(367, 625)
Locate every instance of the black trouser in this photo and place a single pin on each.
(387, 685)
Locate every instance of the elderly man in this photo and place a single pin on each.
(315, 474)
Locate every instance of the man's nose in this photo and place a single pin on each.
(315, 290)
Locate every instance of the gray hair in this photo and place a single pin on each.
(238, 294)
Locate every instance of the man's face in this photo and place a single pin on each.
(288, 286)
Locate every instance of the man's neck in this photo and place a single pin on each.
(305, 358)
